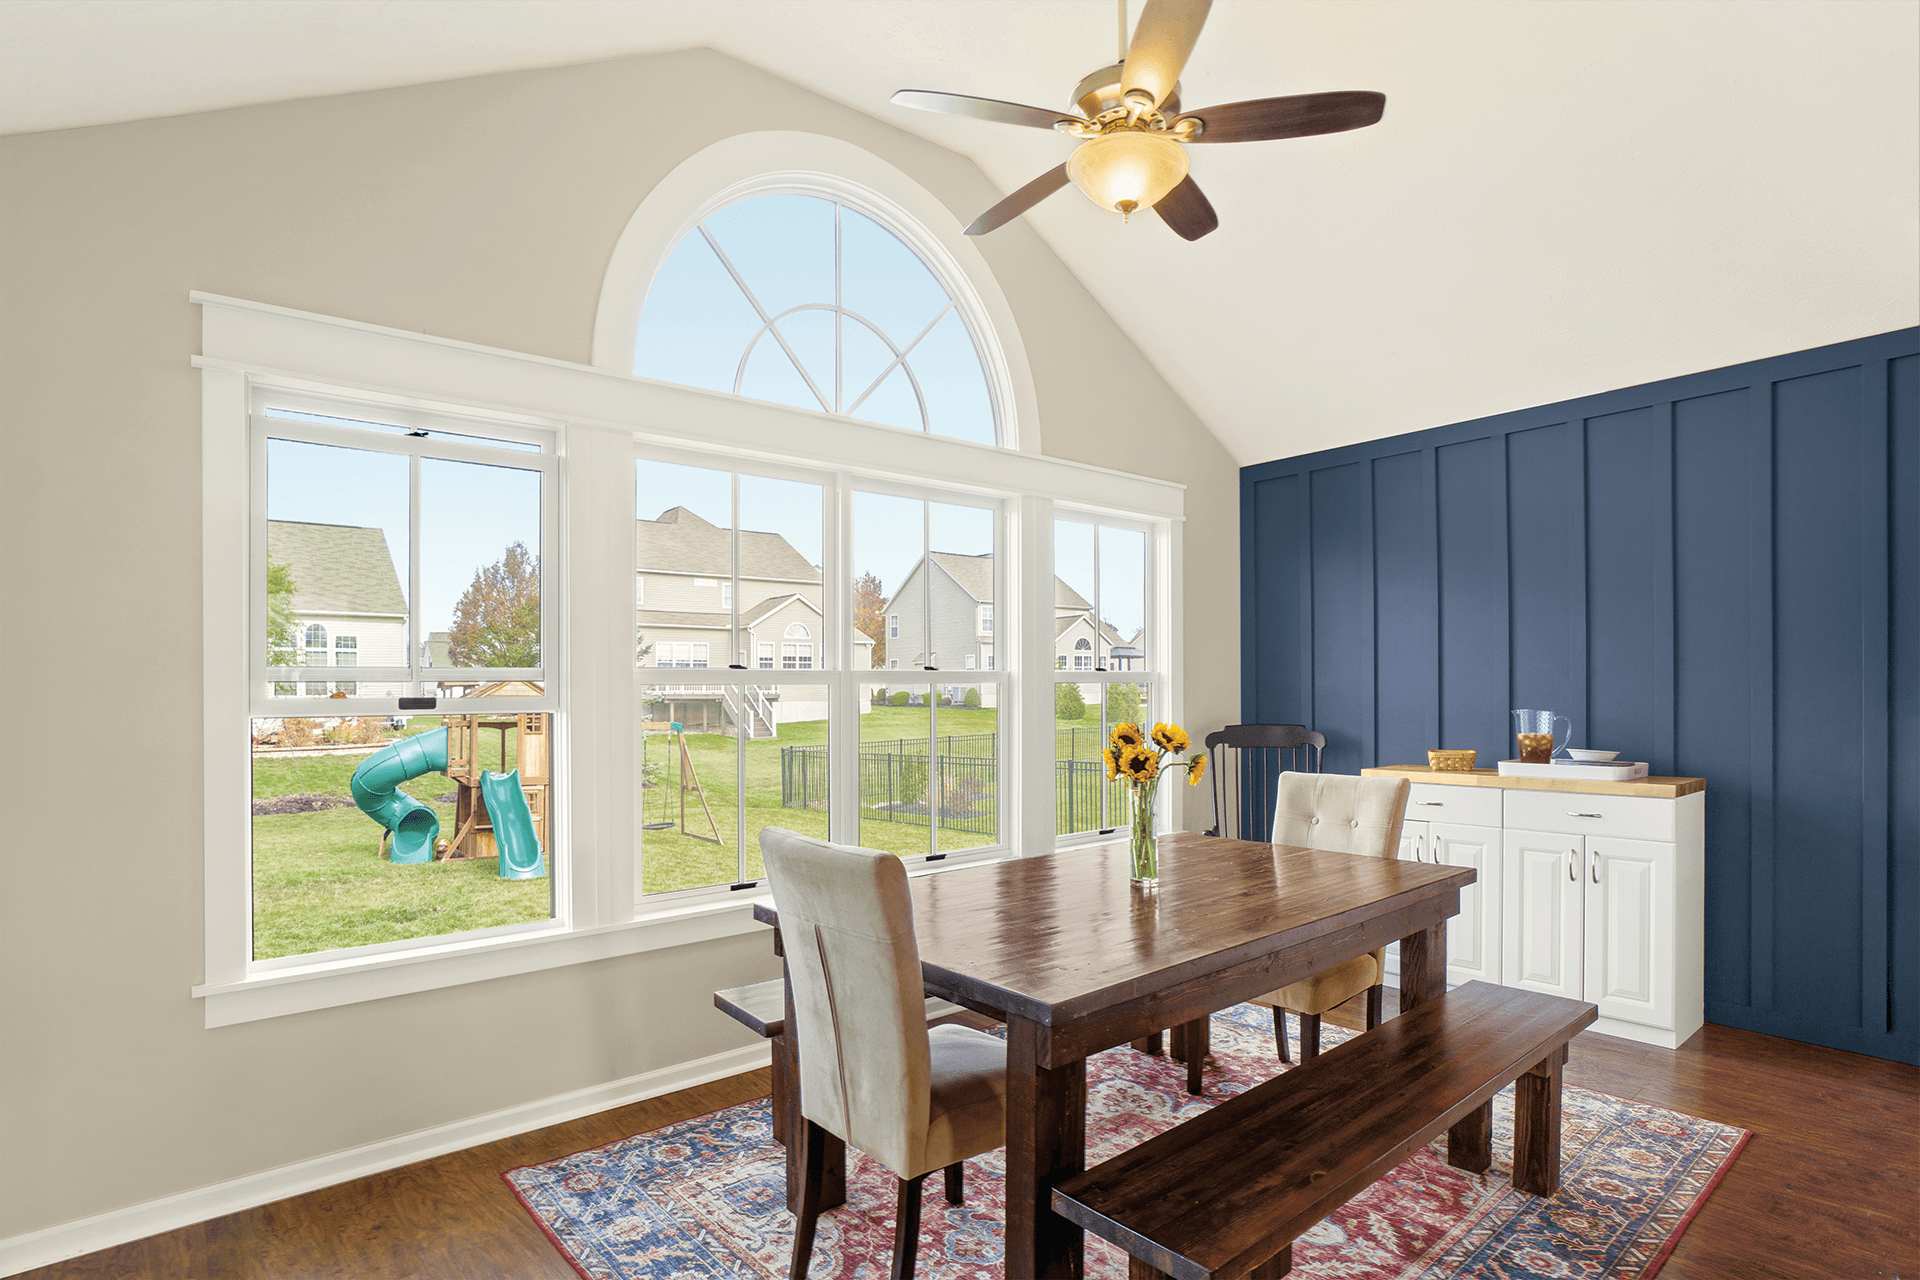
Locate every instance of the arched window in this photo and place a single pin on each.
(798, 631)
(808, 301)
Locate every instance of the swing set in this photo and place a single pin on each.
(657, 809)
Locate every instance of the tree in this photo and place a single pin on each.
(1123, 704)
(283, 636)
(868, 602)
(1068, 702)
(497, 622)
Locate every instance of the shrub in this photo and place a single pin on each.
(900, 698)
(1123, 703)
(1068, 703)
(973, 698)
(913, 779)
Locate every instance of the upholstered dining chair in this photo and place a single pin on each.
(1342, 814)
(871, 1071)
(1244, 764)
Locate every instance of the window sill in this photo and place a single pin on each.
(328, 984)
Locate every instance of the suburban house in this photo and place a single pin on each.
(349, 609)
(1586, 379)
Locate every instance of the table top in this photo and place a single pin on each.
(1066, 937)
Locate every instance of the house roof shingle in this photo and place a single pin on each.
(681, 542)
(337, 568)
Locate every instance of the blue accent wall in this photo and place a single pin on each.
(1718, 574)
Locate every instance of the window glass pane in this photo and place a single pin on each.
(480, 562)
(787, 771)
(337, 550)
(689, 787)
(895, 770)
(810, 334)
(332, 870)
(696, 323)
(884, 281)
(780, 585)
(893, 403)
(782, 246)
(955, 386)
(967, 765)
(863, 358)
(962, 584)
(684, 552)
(1073, 590)
(889, 540)
(771, 375)
(1123, 585)
(1080, 776)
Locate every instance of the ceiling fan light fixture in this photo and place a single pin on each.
(1127, 170)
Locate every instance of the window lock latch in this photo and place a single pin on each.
(929, 668)
(736, 666)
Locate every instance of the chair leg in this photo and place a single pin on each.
(1280, 1034)
(956, 1182)
(1309, 1036)
(813, 1163)
(906, 1229)
(1376, 996)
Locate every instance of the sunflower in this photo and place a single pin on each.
(1171, 737)
(1196, 770)
(1112, 758)
(1127, 734)
(1139, 764)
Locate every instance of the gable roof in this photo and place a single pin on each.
(337, 568)
(681, 542)
(974, 574)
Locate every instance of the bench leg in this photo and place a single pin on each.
(1148, 1044)
(1470, 1142)
(1536, 1127)
(1190, 1043)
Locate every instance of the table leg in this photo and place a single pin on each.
(1423, 966)
(1046, 1144)
(833, 1150)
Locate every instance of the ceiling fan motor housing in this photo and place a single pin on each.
(1102, 93)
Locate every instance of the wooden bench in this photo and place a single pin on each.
(762, 1009)
(1226, 1193)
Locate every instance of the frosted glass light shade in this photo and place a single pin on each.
(1129, 170)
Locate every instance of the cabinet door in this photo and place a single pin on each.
(1473, 936)
(1541, 912)
(1413, 842)
(1629, 929)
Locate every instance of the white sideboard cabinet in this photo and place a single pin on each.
(1591, 890)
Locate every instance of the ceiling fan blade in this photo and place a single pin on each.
(1161, 44)
(958, 104)
(1020, 201)
(1300, 116)
(1187, 211)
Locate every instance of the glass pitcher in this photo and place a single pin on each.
(1534, 729)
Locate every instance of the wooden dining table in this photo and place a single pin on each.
(1075, 959)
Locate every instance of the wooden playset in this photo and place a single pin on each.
(533, 756)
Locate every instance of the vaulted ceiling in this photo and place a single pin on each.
(1562, 197)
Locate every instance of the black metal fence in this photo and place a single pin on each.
(897, 777)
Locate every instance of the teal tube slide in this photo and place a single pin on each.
(376, 790)
(513, 834)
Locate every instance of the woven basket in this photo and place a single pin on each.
(1451, 761)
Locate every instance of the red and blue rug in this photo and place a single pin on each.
(706, 1197)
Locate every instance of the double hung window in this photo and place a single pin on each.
(1103, 603)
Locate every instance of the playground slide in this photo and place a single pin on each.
(513, 834)
(376, 790)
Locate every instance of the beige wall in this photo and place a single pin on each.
(482, 210)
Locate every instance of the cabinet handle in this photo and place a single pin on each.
(1572, 814)
(1596, 870)
(1432, 804)
(1573, 859)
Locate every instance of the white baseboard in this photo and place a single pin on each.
(135, 1222)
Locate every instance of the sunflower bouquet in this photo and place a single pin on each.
(1140, 759)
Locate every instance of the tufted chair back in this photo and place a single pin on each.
(1341, 813)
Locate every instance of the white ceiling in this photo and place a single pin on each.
(1562, 198)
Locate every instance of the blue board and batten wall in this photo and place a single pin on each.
(1718, 574)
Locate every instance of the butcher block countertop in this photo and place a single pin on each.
(1651, 788)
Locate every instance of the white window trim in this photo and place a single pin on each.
(809, 163)
(603, 416)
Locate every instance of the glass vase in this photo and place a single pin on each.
(1143, 854)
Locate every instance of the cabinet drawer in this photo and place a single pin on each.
(1630, 817)
(1436, 802)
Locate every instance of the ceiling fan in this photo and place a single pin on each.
(1133, 154)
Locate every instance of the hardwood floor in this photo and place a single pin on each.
(1829, 1185)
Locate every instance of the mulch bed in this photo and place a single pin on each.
(313, 802)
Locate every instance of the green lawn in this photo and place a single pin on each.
(320, 882)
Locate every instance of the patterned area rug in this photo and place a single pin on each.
(706, 1197)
